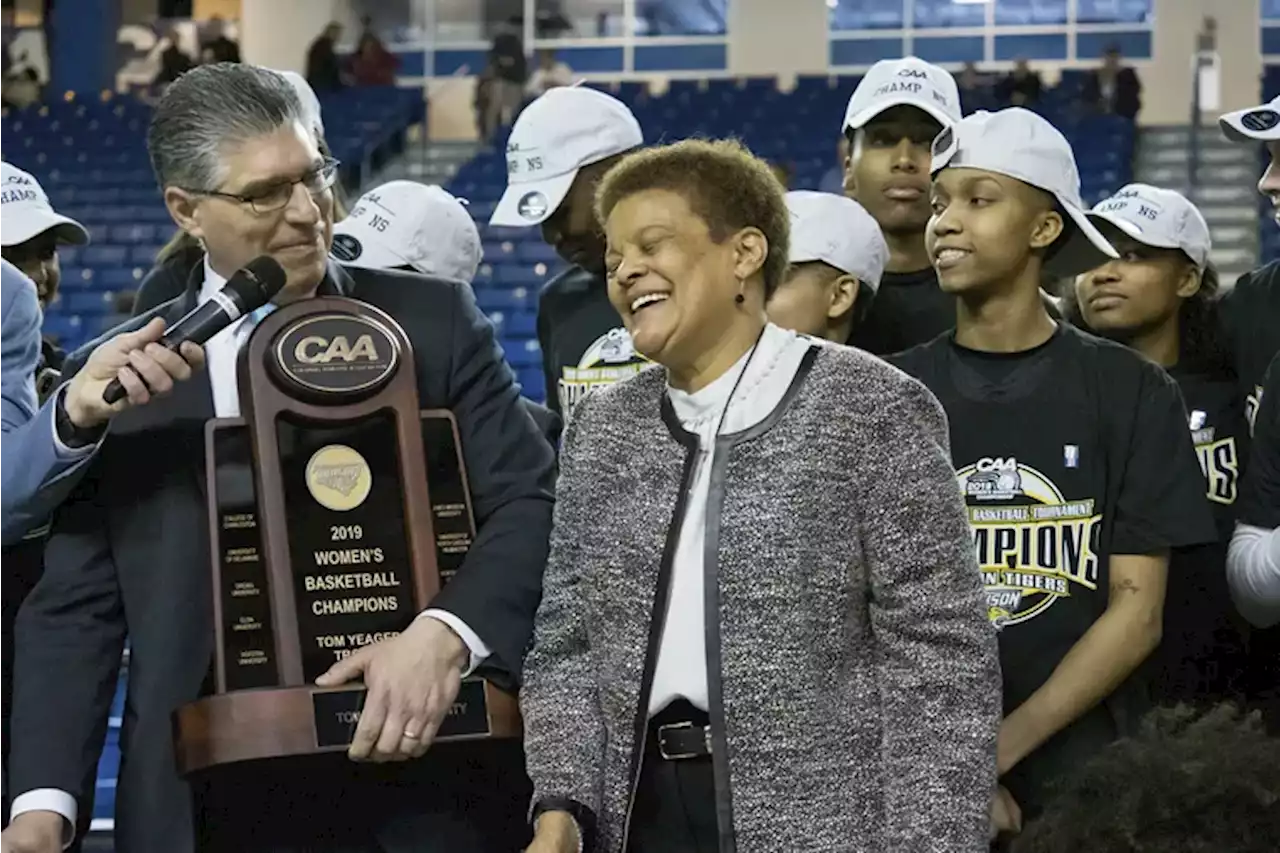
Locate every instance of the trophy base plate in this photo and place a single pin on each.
(276, 722)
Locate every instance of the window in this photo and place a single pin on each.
(569, 19)
(1114, 11)
(1018, 13)
(680, 17)
(865, 14)
(958, 31)
(939, 14)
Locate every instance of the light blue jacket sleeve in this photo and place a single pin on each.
(35, 475)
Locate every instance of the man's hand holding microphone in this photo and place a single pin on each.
(142, 365)
(130, 369)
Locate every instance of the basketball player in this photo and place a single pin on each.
(560, 147)
(837, 260)
(1072, 452)
(891, 120)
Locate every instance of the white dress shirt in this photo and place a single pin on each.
(681, 671)
(221, 352)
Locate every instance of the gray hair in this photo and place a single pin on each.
(210, 107)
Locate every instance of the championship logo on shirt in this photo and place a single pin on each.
(1034, 545)
(1218, 459)
(611, 358)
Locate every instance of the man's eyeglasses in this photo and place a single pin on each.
(276, 197)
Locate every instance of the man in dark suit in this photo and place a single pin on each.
(129, 552)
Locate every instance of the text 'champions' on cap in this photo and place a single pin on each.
(556, 135)
(405, 223)
(1157, 217)
(25, 211)
(909, 81)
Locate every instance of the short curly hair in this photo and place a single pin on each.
(726, 185)
(1183, 784)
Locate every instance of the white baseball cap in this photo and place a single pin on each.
(837, 231)
(1157, 217)
(404, 223)
(567, 128)
(909, 81)
(25, 211)
(1260, 123)
(307, 95)
(1022, 145)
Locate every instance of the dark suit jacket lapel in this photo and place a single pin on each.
(190, 401)
(336, 282)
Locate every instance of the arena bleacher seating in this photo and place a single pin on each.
(798, 128)
(90, 155)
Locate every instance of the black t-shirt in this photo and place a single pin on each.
(1203, 654)
(1250, 316)
(1066, 454)
(1259, 503)
(909, 309)
(584, 344)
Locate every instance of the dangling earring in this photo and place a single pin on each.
(739, 299)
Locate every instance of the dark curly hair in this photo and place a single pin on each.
(1200, 342)
(1183, 784)
(726, 185)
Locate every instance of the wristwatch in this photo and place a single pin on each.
(68, 433)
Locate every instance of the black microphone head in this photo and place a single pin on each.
(257, 282)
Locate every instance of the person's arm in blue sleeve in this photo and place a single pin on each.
(37, 469)
(45, 450)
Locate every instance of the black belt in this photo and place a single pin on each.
(680, 732)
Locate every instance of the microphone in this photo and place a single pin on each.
(245, 292)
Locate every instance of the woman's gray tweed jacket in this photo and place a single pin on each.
(854, 677)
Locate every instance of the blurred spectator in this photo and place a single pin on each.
(173, 61)
(833, 179)
(1020, 88)
(373, 64)
(510, 68)
(970, 80)
(1207, 38)
(324, 70)
(219, 48)
(549, 21)
(1182, 785)
(1114, 88)
(549, 74)
(21, 87)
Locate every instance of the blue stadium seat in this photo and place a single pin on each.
(530, 252)
(504, 299)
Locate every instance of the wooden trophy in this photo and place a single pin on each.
(336, 511)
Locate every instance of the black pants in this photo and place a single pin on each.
(675, 807)
(460, 798)
(23, 565)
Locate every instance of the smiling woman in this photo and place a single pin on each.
(697, 240)
(760, 575)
